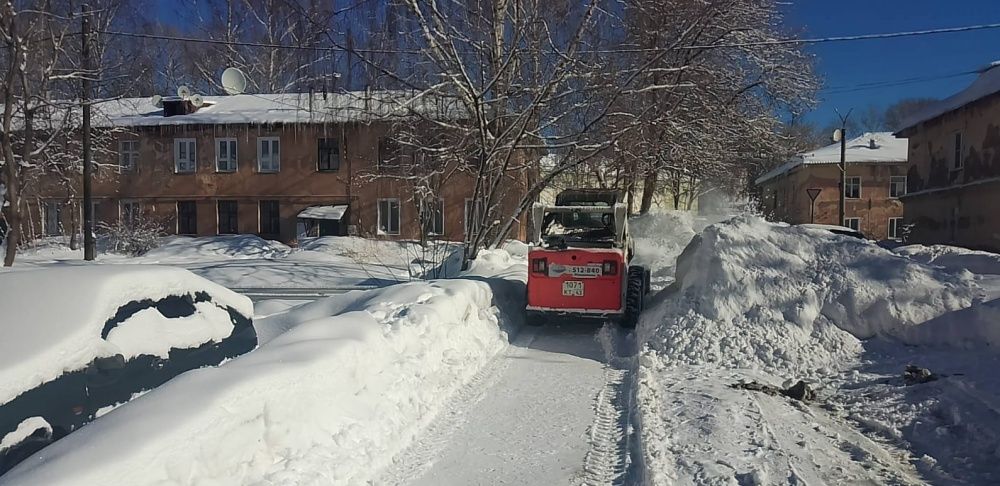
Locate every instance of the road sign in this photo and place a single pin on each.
(813, 192)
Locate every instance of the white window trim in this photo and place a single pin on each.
(121, 151)
(889, 234)
(849, 226)
(890, 186)
(399, 221)
(859, 187)
(192, 154)
(277, 162)
(236, 163)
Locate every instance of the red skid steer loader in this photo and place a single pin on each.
(580, 265)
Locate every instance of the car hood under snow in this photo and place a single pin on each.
(51, 320)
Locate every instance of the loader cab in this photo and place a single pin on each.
(579, 266)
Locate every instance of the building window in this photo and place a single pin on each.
(184, 155)
(129, 212)
(388, 216)
(853, 223)
(225, 155)
(957, 161)
(897, 186)
(268, 154)
(270, 219)
(473, 214)
(228, 223)
(388, 153)
(853, 188)
(432, 217)
(52, 222)
(128, 155)
(329, 154)
(894, 228)
(187, 218)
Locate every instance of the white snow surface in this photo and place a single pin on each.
(215, 247)
(888, 148)
(24, 430)
(323, 212)
(53, 318)
(953, 258)
(149, 332)
(776, 297)
(343, 384)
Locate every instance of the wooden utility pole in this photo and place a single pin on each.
(843, 167)
(89, 249)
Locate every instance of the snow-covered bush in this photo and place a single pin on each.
(135, 236)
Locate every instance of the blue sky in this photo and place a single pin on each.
(848, 64)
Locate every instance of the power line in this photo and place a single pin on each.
(819, 40)
(893, 83)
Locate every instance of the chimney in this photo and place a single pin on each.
(872, 145)
(177, 106)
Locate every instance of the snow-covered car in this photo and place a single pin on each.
(837, 230)
(77, 341)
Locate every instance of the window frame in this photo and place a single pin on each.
(235, 160)
(131, 156)
(436, 220)
(235, 218)
(276, 217)
(320, 141)
(399, 216)
(892, 185)
(853, 218)
(193, 154)
(958, 151)
(57, 231)
(273, 159)
(892, 233)
(477, 209)
(848, 184)
(125, 216)
(194, 215)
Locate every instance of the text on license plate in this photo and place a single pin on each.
(572, 288)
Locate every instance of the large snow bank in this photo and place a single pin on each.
(329, 401)
(777, 297)
(658, 238)
(391, 260)
(953, 258)
(51, 320)
(214, 247)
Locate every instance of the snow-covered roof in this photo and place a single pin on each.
(986, 84)
(881, 147)
(51, 320)
(349, 106)
(324, 212)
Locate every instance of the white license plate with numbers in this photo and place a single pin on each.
(572, 288)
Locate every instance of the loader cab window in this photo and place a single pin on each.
(579, 226)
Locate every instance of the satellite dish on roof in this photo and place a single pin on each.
(156, 100)
(234, 81)
(183, 92)
(197, 100)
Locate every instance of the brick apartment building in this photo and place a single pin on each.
(281, 166)
(954, 168)
(876, 179)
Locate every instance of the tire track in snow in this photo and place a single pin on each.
(421, 454)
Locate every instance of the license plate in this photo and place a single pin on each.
(579, 271)
(572, 288)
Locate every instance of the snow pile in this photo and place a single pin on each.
(349, 384)
(391, 260)
(659, 237)
(215, 247)
(777, 297)
(52, 319)
(953, 258)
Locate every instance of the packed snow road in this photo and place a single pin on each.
(547, 411)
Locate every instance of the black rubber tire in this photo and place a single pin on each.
(635, 296)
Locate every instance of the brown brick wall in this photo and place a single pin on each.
(874, 207)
